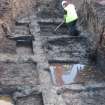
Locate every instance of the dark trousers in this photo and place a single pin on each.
(72, 28)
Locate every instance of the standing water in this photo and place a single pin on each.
(72, 73)
(66, 74)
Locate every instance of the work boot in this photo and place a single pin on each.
(75, 33)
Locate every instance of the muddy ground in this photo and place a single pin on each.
(32, 47)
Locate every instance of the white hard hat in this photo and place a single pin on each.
(63, 2)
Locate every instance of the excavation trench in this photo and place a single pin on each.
(69, 60)
(72, 66)
(72, 70)
(61, 46)
(69, 56)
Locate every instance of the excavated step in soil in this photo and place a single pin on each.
(24, 48)
(21, 34)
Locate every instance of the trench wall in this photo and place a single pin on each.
(92, 24)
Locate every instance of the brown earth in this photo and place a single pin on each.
(20, 21)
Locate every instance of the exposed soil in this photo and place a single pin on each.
(13, 74)
(30, 100)
(24, 48)
(35, 40)
(62, 46)
(92, 97)
(7, 46)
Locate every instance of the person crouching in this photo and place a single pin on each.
(70, 17)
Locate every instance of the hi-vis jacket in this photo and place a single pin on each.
(71, 13)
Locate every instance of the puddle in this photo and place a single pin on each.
(5, 100)
(66, 74)
(72, 72)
